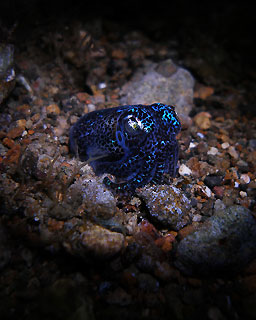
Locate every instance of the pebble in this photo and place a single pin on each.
(202, 120)
(21, 123)
(232, 151)
(118, 54)
(213, 151)
(243, 194)
(184, 170)
(244, 178)
(148, 86)
(53, 109)
(213, 180)
(97, 199)
(224, 145)
(242, 165)
(219, 191)
(15, 132)
(192, 145)
(197, 218)
(13, 155)
(203, 92)
(202, 190)
(167, 205)
(101, 242)
(8, 142)
(200, 135)
(225, 242)
(82, 96)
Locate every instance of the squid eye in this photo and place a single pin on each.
(132, 125)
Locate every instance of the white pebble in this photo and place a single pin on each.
(91, 107)
(207, 191)
(245, 178)
(200, 135)
(102, 85)
(225, 145)
(192, 145)
(213, 151)
(243, 194)
(184, 170)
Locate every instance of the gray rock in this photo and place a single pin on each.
(163, 82)
(7, 73)
(224, 243)
(167, 205)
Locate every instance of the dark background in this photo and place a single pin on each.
(231, 23)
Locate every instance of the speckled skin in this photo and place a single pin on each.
(135, 143)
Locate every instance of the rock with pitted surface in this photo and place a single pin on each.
(163, 82)
(224, 243)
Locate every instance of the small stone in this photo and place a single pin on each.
(244, 178)
(243, 194)
(212, 181)
(213, 151)
(148, 228)
(165, 243)
(13, 155)
(184, 170)
(25, 109)
(29, 124)
(200, 135)
(167, 205)
(118, 54)
(192, 145)
(91, 107)
(186, 231)
(15, 132)
(73, 119)
(82, 96)
(35, 117)
(202, 190)
(98, 98)
(197, 218)
(202, 147)
(53, 109)
(224, 145)
(102, 242)
(203, 92)
(8, 142)
(98, 200)
(224, 137)
(232, 151)
(202, 120)
(55, 225)
(21, 123)
(218, 191)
